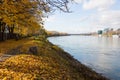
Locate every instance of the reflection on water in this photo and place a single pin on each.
(100, 53)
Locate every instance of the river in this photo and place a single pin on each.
(102, 54)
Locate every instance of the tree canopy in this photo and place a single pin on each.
(21, 11)
(21, 15)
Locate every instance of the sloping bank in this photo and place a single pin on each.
(38, 59)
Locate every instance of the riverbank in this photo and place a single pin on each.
(38, 59)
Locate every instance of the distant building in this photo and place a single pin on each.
(100, 31)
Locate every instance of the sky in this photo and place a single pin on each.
(86, 16)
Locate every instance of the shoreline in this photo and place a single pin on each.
(46, 62)
(86, 71)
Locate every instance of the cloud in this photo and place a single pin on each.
(104, 16)
(78, 1)
(102, 20)
(110, 18)
(99, 4)
(96, 4)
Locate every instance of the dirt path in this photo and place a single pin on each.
(10, 47)
(4, 57)
(10, 44)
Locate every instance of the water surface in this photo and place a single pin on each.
(102, 54)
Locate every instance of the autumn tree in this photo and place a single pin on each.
(22, 16)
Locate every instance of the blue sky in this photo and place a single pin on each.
(86, 16)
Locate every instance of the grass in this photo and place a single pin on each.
(49, 63)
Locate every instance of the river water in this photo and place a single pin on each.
(102, 54)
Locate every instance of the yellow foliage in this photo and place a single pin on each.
(47, 66)
(50, 63)
(21, 13)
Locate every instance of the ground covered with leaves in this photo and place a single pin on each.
(49, 63)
